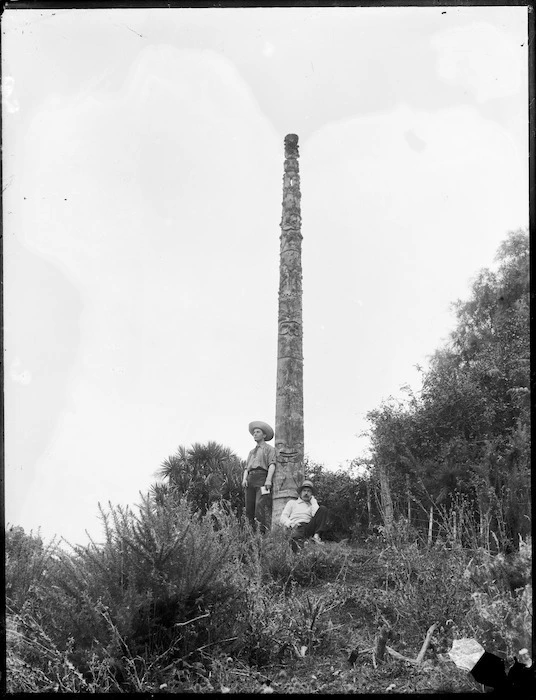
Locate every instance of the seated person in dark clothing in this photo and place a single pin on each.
(304, 517)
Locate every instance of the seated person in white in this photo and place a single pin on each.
(304, 517)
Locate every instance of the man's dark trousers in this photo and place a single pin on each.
(316, 526)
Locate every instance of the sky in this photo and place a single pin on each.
(142, 184)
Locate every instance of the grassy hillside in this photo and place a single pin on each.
(172, 601)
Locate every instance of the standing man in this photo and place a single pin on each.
(304, 517)
(258, 474)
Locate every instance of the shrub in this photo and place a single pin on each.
(28, 561)
(164, 581)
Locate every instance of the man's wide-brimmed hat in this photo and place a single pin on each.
(263, 426)
(307, 483)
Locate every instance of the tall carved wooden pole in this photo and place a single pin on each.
(289, 443)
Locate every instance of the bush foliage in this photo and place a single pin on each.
(462, 444)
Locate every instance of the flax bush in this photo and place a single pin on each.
(281, 624)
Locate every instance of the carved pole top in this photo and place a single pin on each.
(291, 146)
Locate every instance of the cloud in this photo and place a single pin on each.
(481, 59)
(10, 103)
(24, 377)
(268, 49)
(414, 142)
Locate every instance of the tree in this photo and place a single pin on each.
(468, 430)
(204, 473)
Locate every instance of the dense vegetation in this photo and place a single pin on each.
(433, 529)
(174, 601)
(463, 444)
